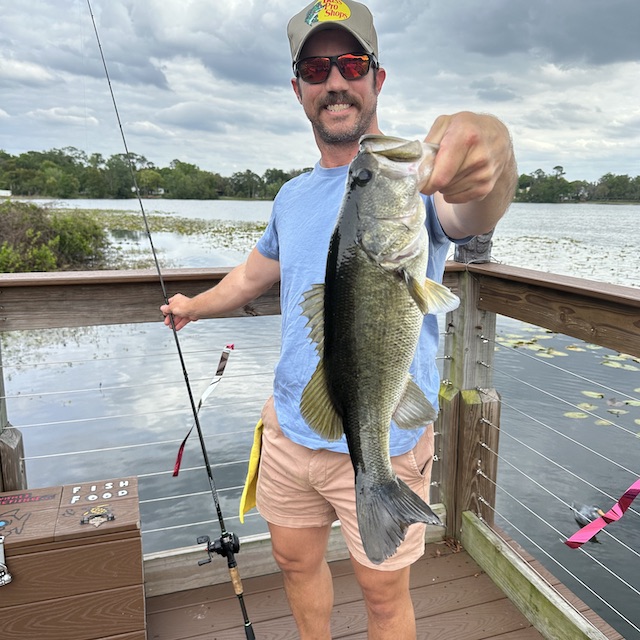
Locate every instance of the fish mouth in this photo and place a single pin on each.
(398, 157)
(396, 149)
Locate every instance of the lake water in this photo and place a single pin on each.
(584, 240)
(116, 394)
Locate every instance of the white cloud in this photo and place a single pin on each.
(60, 116)
(22, 72)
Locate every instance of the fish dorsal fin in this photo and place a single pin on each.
(414, 410)
(431, 297)
(317, 408)
(313, 309)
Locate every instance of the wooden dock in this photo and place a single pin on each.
(453, 598)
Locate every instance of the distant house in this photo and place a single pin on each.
(5, 193)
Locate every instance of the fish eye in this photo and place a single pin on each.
(362, 177)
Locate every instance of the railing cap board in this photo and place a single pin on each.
(569, 284)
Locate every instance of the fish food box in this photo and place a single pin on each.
(71, 563)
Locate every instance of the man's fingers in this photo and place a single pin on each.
(438, 129)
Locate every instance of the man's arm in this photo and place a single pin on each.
(241, 285)
(474, 174)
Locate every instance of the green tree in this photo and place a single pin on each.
(615, 187)
(119, 178)
(149, 181)
(273, 179)
(247, 184)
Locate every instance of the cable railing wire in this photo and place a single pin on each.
(195, 494)
(562, 400)
(550, 493)
(557, 464)
(201, 523)
(559, 564)
(121, 416)
(545, 363)
(126, 447)
(138, 356)
(126, 387)
(566, 437)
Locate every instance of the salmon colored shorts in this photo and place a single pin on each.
(300, 487)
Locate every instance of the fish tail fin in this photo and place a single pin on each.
(384, 514)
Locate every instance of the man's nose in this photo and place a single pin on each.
(335, 81)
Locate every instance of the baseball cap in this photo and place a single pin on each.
(353, 17)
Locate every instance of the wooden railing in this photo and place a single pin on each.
(604, 314)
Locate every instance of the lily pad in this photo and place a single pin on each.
(576, 415)
(618, 365)
(587, 406)
(593, 394)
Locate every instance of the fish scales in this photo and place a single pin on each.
(366, 320)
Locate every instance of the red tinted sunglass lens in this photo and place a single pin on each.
(353, 67)
(314, 70)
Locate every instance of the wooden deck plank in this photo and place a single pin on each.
(446, 586)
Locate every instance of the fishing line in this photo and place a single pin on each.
(228, 544)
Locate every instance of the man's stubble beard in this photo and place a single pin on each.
(341, 136)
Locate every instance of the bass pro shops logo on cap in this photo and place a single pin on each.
(353, 17)
(327, 10)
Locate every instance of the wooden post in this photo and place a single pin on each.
(12, 471)
(469, 406)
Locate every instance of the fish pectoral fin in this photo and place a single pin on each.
(317, 408)
(313, 309)
(414, 410)
(431, 296)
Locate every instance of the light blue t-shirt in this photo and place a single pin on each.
(302, 220)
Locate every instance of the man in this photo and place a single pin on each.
(306, 483)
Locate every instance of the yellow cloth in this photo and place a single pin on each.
(248, 499)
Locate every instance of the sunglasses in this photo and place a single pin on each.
(351, 66)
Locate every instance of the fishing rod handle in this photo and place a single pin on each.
(235, 580)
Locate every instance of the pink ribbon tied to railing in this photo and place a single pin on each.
(615, 513)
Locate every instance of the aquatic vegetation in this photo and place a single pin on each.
(127, 231)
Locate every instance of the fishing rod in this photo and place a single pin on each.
(228, 544)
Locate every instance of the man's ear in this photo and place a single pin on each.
(381, 76)
(296, 89)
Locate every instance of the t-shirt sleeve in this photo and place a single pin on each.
(268, 245)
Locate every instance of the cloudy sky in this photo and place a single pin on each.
(207, 81)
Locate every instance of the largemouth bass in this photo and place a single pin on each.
(365, 320)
